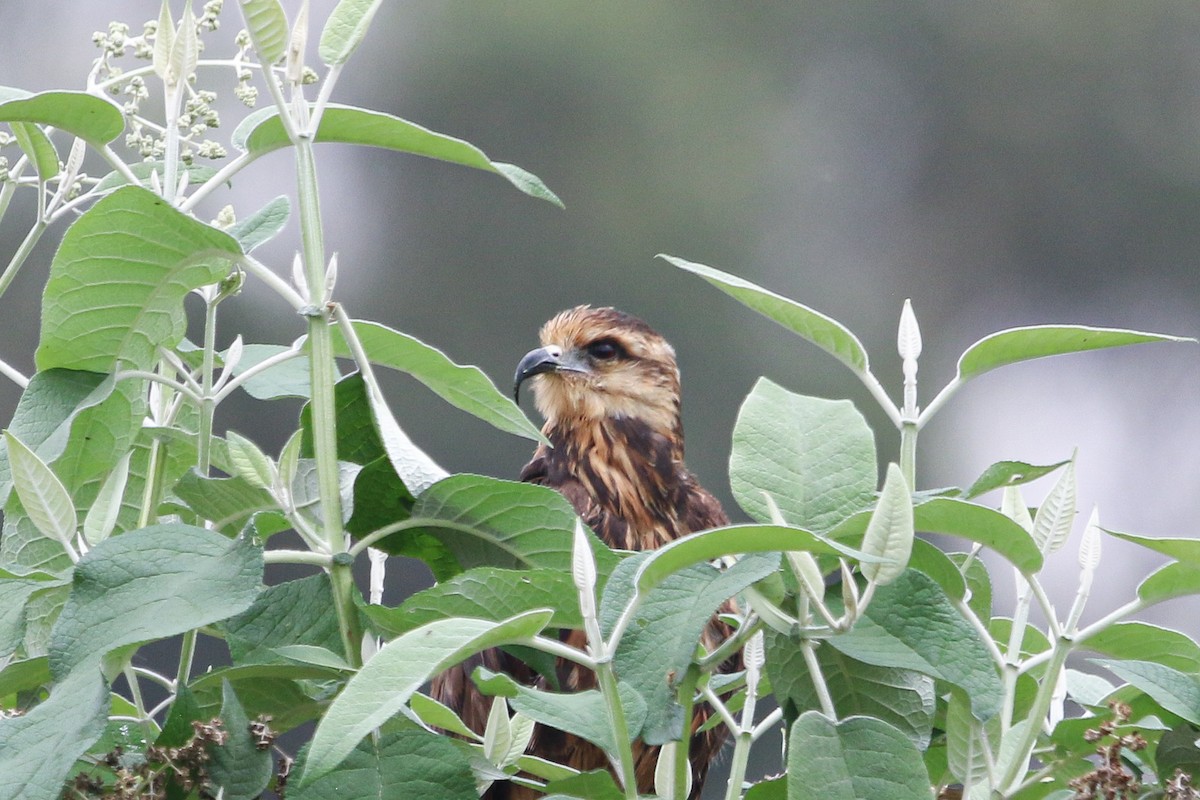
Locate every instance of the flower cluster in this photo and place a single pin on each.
(144, 136)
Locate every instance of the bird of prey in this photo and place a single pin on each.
(608, 387)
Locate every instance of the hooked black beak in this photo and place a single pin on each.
(535, 362)
(543, 359)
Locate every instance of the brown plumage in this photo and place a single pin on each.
(608, 387)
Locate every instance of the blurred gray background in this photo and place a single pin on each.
(1001, 164)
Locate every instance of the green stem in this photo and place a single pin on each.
(1012, 654)
(877, 391)
(818, 678)
(208, 405)
(9, 186)
(1016, 768)
(908, 453)
(135, 693)
(173, 98)
(687, 700)
(26, 247)
(296, 557)
(616, 714)
(187, 652)
(745, 733)
(737, 766)
(324, 416)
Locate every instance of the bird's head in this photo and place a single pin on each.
(600, 363)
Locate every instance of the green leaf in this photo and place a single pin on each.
(228, 503)
(670, 620)
(101, 518)
(345, 29)
(815, 457)
(412, 464)
(177, 729)
(249, 462)
(595, 784)
(164, 41)
(263, 225)
(91, 118)
(117, 283)
(317, 656)
(854, 758)
(463, 387)
(902, 698)
(274, 690)
(41, 612)
(1183, 549)
(768, 789)
(825, 332)
(979, 584)
(45, 499)
(263, 132)
(1176, 691)
(1177, 579)
(405, 761)
(358, 440)
(1146, 642)
(889, 534)
(185, 50)
(969, 521)
(142, 170)
(1177, 750)
(966, 753)
(490, 522)
(1008, 473)
(268, 27)
(23, 676)
(1022, 344)
(735, 540)
(297, 612)
(41, 747)
(34, 142)
(436, 715)
(143, 585)
(912, 625)
(583, 714)
(14, 594)
(485, 593)
(385, 683)
(45, 413)
(287, 379)
(937, 565)
(238, 767)
(1056, 514)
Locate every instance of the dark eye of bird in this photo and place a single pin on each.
(604, 350)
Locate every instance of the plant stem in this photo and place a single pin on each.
(1012, 653)
(324, 418)
(187, 651)
(135, 691)
(938, 401)
(273, 281)
(26, 247)
(9, 186)
(620, 727)
(173, 98)
(877, 391)
(208, 405)
(818, 678)
(687, 700)
(908, 453)
(1016, 768)
(296, 557)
